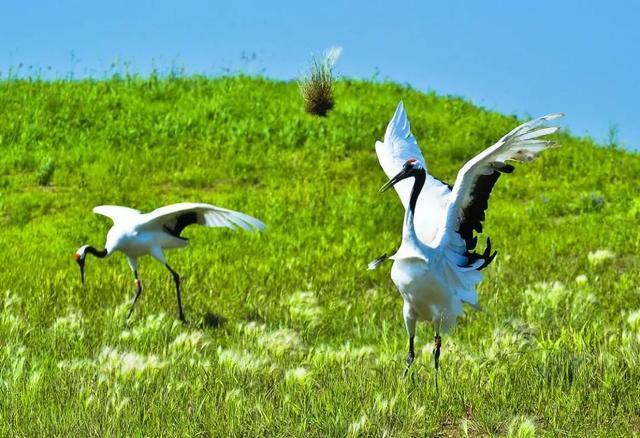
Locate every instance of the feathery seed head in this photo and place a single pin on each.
(317, 87)
(600, 256)
(281, 341)
(303, 307)
(298, 375)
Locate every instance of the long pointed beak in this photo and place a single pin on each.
(396, 179)
(81, 264)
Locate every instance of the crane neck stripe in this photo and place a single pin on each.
(98, 253)
(420, 177)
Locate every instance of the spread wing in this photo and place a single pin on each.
(399, 146)
(175, 218)
(116, 213)
(470, 194)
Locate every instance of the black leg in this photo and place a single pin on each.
(436, 355)
(176, 279)
(138, 292)
(410, 357)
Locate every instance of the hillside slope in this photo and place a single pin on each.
(290, 334)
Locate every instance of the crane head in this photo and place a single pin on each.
(410, 168)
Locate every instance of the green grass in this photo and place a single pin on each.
(312, 344)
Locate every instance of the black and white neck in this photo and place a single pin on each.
(88, 249)
(409, 231)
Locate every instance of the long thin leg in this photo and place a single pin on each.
(176, 279)
(410, 323)
(410, 357)
(436, 356)
(138, 292)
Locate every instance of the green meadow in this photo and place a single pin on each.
(289, 334)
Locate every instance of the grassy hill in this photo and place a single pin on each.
(289, 333)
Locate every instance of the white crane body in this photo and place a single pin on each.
(137, 234)
(436, 268)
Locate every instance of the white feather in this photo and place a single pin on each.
(208, 215)
(117, 213)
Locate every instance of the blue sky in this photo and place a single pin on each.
(528, 58)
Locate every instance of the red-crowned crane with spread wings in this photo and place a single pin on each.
(436, 268)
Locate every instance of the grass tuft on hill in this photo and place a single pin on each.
(307, 341)
(317, 87)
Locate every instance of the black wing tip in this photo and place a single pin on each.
(503, 167)
(488, 260)
(486, 256)
(377, 262)
(487, 250)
